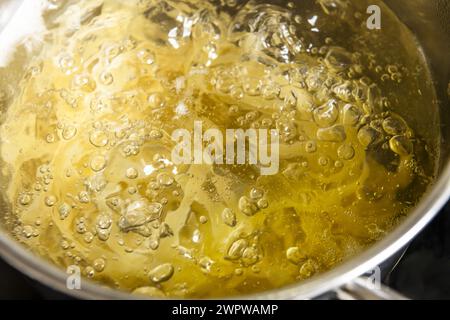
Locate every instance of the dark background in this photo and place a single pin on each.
(422, 273)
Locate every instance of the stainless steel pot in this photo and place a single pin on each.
(429, 20)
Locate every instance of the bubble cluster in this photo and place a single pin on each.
(87, 141)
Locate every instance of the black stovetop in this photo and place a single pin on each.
(422, 273)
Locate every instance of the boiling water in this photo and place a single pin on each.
(86, 141)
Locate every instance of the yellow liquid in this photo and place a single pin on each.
(86, 142)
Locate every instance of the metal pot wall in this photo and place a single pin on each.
(429, 20)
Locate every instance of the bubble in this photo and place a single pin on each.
(250, 256)
(236, 249)
(88, 237)
(295, 255)
(84, 82)
(338, 59)
(146, 56)
(25, 199)
(327, 114)
(269, 92)
(165, 230)
(236, 92)
(262, 203)
(394, 126)
(28, 231)
(367, 136)
(80, 225)
(161, 273)
(344, 91)
(66, 63)
(64, 210)
(205, 264)
(351, 115)
(203, 219)
(335, 133)
(89, 272)
(69, 132)
(98, 163)
(308, 268)
(104, 221)
(83, 197)
(132, 190)
(338, 164)
(65, 244)
(165, 180)
(138, 213)
(246, 206)
(156, 134)
(256, 193)
(149, 291)
(50, 201)
(401, 145)
(311, 146)
(50, 138)
(324, 161)
(98, 138)
(112, 51)
(132, 173)
(99, 264)
(106, 78)
(103, 234)
(155, 101)
(346, 152)
(228, 217)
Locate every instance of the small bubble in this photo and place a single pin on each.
(310, 147)
(98, 138)
(83, 197)
(324, 161)
(65, 244)
(256, 193)
(156, 134)
(203, 219)
(69, 132)
(146, 56)
(228, 217)
(99, 264)
(262, 203)
(346, 152)
(326, 115)
(25, 199)
(28, 231)
(401, 145)
(106, 78)
(88, 237)
(50, 201)
(294, 255)
(161, 273)
(50, 138)
(246, 206)
(98, 163)
(132, 173)
(165, 180)
(237, 249)
(394, 126)
(89, 272)
(155, 100)
(64, 210)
